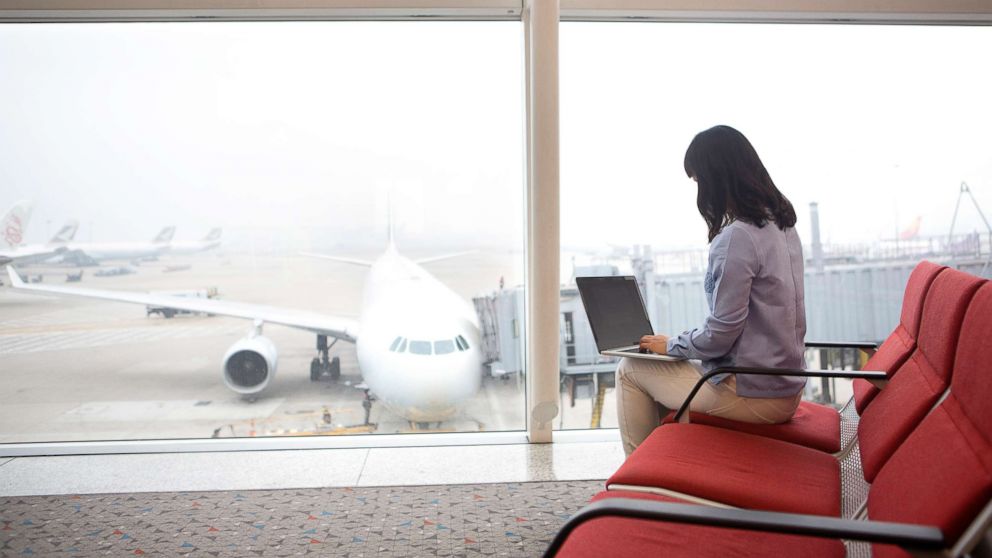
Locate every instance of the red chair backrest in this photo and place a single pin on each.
(942, 474)
(922, 379)
(900, 343)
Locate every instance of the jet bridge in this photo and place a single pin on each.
(581, 367)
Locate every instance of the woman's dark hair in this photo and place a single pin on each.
(733, 183)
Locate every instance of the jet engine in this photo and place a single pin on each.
(250, 364)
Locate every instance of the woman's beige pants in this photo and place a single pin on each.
(643, 384)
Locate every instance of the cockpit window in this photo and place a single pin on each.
(402, 346)
(396, 343)
(420, 347)
(444, 347)
(462, 343)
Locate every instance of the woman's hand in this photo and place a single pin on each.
(657, 344)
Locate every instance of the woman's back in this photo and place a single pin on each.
(775, 324)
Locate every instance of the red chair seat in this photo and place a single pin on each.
(609, 537)
(735, 468)
(814, 426)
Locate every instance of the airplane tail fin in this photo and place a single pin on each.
(214, 234)
(66, 233)
(352, 261)
(912, 230)
(14, 224)
(389, 222)
(165, 236)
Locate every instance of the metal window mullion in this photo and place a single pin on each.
(540, 19)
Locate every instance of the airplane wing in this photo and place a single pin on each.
(31, 254)
(345, 329)
(445, 257)
(352, 261)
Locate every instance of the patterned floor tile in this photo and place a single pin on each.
(507, 519)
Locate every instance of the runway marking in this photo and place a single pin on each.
(68, 340)
(170, 410)
(61, 316)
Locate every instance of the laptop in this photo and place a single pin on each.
(617, 315)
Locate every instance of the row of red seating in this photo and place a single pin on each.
(923, 442)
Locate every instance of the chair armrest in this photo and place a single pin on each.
(908, 536)
(863, 345)
(873, 376)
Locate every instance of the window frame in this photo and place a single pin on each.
(540, 21)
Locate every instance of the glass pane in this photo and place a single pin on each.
(878, 126)
(205, 163)
(444, 347)
(420, 347)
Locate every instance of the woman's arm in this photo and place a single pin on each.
(733, 266)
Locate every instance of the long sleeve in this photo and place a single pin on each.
(733, 265)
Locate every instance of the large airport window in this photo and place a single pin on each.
(877, 135)
(230, 228)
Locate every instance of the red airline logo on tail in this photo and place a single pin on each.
(12, 233)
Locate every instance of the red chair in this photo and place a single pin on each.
(750, 471)
(818, 426)
(933, 495)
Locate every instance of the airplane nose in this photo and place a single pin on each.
(432, 387)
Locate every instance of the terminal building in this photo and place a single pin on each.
(386, 352)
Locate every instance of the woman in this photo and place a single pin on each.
(754, 289)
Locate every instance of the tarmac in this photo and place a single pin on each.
(77, 369)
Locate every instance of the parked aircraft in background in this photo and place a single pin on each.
(88, 253)
(209, 242)
(13, 226)
(418, 343)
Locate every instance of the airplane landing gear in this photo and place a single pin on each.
(322, 365)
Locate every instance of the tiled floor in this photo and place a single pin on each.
(248, 470)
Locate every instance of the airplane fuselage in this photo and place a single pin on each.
(192, 247)
(419, 344)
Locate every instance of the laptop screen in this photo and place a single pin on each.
(615, 310)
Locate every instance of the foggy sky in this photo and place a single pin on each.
(319, 127)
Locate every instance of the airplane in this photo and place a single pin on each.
(209, 242)
(418, 342)
(87, 253)
(12, 229)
